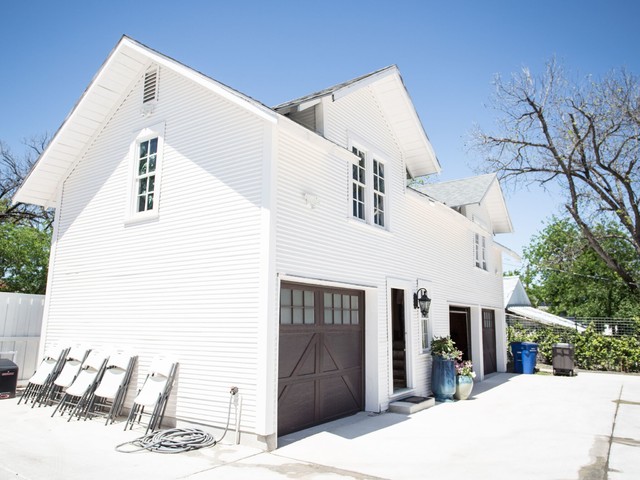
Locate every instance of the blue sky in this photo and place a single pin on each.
(447, 52)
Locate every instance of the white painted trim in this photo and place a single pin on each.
(365, 82)
(477, 351)
(268, 332)
(52, 261)
(375, 393)
(314, 140)
(371, 152)
(225, 92)
(287, 277)
(410, 355)
(141, 135)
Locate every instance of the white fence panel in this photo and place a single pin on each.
(20, 326)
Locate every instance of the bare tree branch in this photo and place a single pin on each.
(584, 137)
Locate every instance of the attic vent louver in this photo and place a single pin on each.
(150, 86)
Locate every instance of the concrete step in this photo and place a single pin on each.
(411, 405)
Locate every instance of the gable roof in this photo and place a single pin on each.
(115, 78)
(516, 302)
(130, 59)
(397, 107)
(483, 189)
(514, 293)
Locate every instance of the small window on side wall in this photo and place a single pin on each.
(146, 153)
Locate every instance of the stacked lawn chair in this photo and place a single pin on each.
(47, 372)
(154, 393)
(77, 396)
(75, 358)
(110, 394)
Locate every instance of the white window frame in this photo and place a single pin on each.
(379, 193)
(371, 156)
(359, 185)
(480, 251)
(146, 134)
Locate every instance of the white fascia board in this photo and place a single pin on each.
(309, 104)
(508, 251)
(346, 90)
(315, 140)
(496, 189)
(207, 82)
(21, 194)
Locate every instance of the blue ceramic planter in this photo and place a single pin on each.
(443, 379)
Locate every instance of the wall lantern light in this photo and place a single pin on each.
(422, 300)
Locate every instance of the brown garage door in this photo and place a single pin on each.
(321, 355)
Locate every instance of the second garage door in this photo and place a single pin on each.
(320, 355)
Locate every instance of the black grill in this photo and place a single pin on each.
(8, 378)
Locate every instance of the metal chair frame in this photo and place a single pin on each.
(160, 379)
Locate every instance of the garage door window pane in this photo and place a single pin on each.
(297, 307)
(308, 298)
(337, 300)
(309, 316)
(328, 316)
(285, 297)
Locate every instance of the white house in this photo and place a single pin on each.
(274, 249)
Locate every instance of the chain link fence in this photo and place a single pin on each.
(605, 344)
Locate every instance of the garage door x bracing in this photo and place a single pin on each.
(320, 355)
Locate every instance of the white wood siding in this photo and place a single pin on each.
(426, 242)
(187, 283)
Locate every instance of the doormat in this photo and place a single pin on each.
(413, 399)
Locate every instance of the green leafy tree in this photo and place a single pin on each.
(25, 230)
(563, 271)
(583, 138)
(24, 256)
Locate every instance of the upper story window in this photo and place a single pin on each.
(368, 188)
(358, 183)
(480, 251)
(378, 193)
(146, 158)
(146, 174)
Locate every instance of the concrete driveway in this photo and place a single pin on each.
(514, 426)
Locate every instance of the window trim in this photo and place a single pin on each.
(371, 154)
(132, 215)
(480, 252)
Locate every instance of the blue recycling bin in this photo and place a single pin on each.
(524, 356)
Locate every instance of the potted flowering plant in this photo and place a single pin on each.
(464, 379)
(445, 347)
(443, 374)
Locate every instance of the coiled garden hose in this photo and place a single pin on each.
(177, 440)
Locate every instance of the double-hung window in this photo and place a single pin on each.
(147, 163)
(358, 184)
(146, 158)
(480, 251)
(368, 188)
(378, 193)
